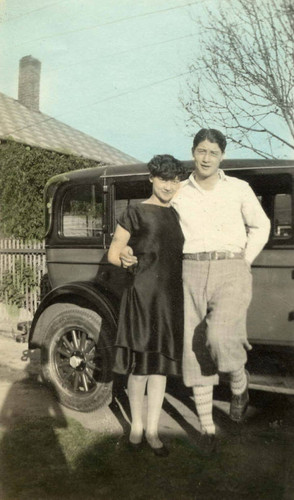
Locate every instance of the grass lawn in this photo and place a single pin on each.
(44, 459)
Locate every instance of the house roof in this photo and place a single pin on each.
(37, 129)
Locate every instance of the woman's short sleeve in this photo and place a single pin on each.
(129, 219)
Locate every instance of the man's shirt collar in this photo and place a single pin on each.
(222, 177)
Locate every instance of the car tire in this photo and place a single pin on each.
(76, 357)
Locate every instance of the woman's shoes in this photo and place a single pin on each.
(160, 452)
(135, 446)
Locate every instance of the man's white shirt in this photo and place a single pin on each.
(227, 218)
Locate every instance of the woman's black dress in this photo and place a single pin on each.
(150, 327)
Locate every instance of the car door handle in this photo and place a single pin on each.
(291, 316)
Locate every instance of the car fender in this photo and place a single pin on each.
(81, 294)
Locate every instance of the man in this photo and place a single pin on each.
(225, 228)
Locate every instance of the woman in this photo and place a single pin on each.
(150, 329)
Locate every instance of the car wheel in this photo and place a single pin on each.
(76, 358)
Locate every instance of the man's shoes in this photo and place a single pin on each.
(239, 403)
(206, 444)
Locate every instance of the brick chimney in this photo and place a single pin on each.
(29, 82)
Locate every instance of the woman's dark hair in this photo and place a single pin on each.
(166, 166)
(212, 135)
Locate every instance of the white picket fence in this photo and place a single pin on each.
(27, 253)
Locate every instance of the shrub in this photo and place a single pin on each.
(24, 171)
(15, 282)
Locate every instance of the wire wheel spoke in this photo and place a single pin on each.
(91, 365)
(64, 353)
(90, 376)
(75, 339)
(63, 363)
(67, 375)
(83, 341)
(67, 343)
(85, 382)
(76, 380)
(77, 361)
(90, 347)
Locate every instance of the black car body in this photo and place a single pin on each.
(75, 323)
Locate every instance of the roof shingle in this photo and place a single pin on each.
(37, 129)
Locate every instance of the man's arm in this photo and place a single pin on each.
(127, 257)
(257, 223)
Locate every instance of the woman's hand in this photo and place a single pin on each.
(127, 257)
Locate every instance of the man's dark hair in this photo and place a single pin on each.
(167, 167)
(212, 135)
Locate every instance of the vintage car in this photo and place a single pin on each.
(75, 324)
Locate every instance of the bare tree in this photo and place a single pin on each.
(243, 81)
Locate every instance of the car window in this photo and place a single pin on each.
(275, 193)
(283, 216)
(130, 193)
(82, 212)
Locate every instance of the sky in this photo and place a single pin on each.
(113, 69)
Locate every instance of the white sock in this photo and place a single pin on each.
(203, 395)
(238, 381)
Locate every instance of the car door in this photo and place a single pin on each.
(76, 246)
(271, 313)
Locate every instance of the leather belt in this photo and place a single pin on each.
(213, 255)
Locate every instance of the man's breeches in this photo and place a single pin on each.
(217, 294)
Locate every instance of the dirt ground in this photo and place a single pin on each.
(269, 427)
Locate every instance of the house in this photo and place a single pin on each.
(22, 121)
(32, 141)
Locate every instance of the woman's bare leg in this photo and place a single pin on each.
(155, 395)
(136, 392)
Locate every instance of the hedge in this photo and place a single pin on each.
(24, 171)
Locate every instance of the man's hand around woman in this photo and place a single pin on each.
(127, 257)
